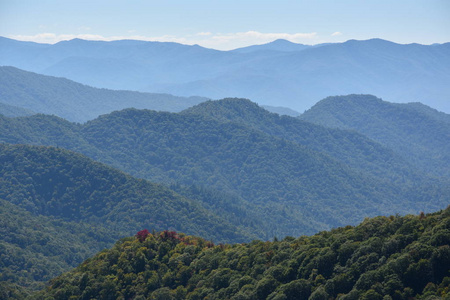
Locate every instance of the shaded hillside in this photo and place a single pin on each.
(382, 258)
(74, 101)
(60, 207)
(293, 188)
(36, 248)
(67, 185)
(14, 111)
(419, 134)
(295, 79)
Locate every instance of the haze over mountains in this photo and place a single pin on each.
(277, 74)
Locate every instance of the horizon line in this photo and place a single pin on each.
(111, 40)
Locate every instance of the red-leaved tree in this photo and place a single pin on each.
(142, 235)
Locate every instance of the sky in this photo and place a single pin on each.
(227, 24)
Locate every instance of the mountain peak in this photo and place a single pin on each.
(228, 109)
(74, 41)
(280, 45)
(282, 41)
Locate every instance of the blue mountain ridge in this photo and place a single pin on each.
(270, 75)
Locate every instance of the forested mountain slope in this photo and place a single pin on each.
(294, 189)
(60, 207)
(382, 258)
(419, 134)
(348, 147)
(271, 173)
(76, 102)
(424, 109)
(272, 76)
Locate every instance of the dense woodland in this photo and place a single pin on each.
(264, 170)
(35, 248)
(348, 147)
(382, 258)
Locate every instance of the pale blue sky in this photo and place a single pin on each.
(227, 24)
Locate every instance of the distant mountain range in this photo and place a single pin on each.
(276, 74)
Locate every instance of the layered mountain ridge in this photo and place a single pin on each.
(296, 79)
(282, 167)
(233, 172)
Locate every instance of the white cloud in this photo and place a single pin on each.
(223, 41)
(204, 33)
(265, 37)
(337, 33)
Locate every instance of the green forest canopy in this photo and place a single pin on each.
(382, 258)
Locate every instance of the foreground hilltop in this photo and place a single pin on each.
(382, 258)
